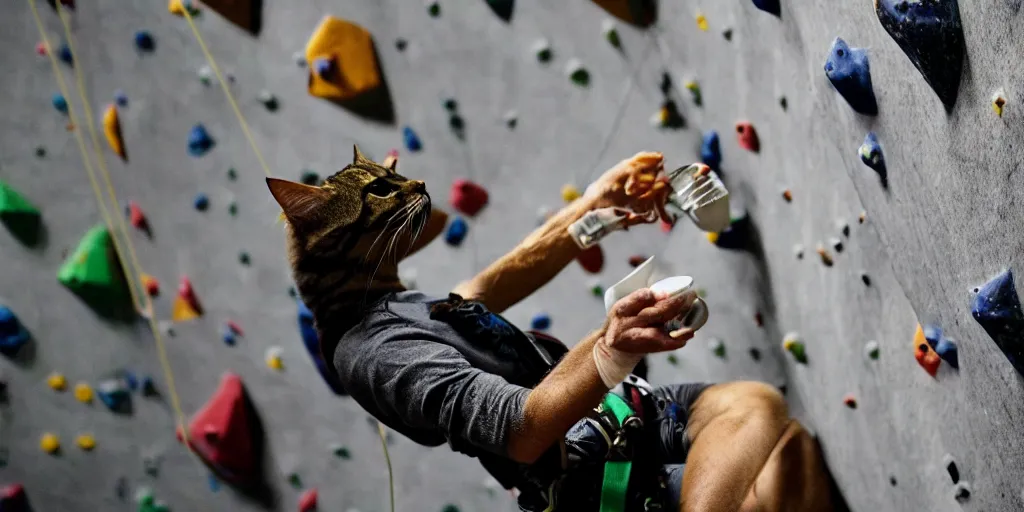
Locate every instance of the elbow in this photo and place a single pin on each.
(524, 453)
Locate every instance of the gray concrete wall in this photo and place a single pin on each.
(949, 222)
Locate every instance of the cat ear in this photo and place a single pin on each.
(357, 157)
(300, 203)
(391, 162)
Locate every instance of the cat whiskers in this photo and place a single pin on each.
(405, 211)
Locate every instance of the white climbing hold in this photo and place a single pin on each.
(266, 96)
(206, 75)
(871, 349)
(798, 251)
(511, 119)
(573, 66)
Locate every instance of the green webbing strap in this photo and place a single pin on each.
(616, 474)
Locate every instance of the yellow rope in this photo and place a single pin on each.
(387, 459)
(150, 317)
(227, 91)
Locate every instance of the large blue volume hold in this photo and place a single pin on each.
(848, 70)
(997, 309)
(930, 33)
(710, 150)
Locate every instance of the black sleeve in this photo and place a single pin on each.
(430, 385)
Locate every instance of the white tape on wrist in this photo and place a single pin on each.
(614, 365)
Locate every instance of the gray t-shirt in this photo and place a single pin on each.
(460, 381)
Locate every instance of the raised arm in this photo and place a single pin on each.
(545, 252)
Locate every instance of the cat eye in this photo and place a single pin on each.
(381, 188)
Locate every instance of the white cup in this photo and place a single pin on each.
(641, 277)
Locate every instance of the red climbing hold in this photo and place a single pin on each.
(747, 136)
(467, 197)
(151, 285)
(13, 499)
(235, 328)
(592, 259)
(136, 217)
(636, 260)
(186, 305)
(666, 227)
(850, 401)
(308, 501)
(221, 433)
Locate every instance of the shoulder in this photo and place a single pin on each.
(404, 316)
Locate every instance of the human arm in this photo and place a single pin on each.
(546, 251)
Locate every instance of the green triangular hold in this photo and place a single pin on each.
(92, 273)
(19, 215)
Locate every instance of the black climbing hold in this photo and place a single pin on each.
(502, 8)
(64, 54)
(710, 150)
(997, 309)
(837, 244)
(930, 33)
(400, 44)
(244, 259)
(848, 70)
(666, 83)
(950, 464)
(962, 492)
(40, 151)
(727, 34)
(892, 481)
(769, 6)
(866, 278)
(450, 508)
(201, 202)
(433, 9)
(144, 41)
(871, 155)
(783, 103)
(755, 354)
(946, 349)
(292, 292)
(450, 104)
(457, 123)
(309, 177)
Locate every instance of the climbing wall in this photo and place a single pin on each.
(542, 99)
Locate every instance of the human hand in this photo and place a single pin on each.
(636, 323)
(637, 184)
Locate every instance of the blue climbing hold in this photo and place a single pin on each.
(199, 140)
(540, 322)
(228, 336)
(848, 70)
(148, 386)
(64, 54)
(60, 103)
(932, 334)
(946, 349)
(456, 231)
(114, 394)
(201, 202)
(930, 33)
(120, 98)
(311, 340)
(997, 308)
(768, 6)
(13, 334)
(323, 66)
(130, 380)
(872, 156)
(412, 141)
(710, 150)
(144, 41)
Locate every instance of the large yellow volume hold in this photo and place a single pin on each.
(112, 129)
(342, 62)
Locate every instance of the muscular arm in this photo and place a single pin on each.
(532, 263)
(565, 396)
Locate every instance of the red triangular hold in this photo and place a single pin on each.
(592, 259)
(136, 217)
(186, 304)
(308, 501)
(221, 433)
(468, 197)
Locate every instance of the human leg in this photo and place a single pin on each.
(793, 479)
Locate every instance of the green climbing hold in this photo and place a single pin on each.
(20, 216)
(673, 360)
(717, 347)
(450, 508)
(341, 452)
(232, 174)
(295, 480)
(309, 177)
(91, 272)
(233, 208)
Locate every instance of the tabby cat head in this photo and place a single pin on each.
(345, 228)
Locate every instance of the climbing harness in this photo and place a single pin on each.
(619, 465)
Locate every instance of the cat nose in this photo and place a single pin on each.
(419, 186)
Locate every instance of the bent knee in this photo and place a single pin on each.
(743, 400)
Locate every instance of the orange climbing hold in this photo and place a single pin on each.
(186, 305)
(151, 285)
(112, 129)
(342, 61)
(926, 357)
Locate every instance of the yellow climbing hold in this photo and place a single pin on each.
(177, 7)
(702, 22)
(57, 381)
(49, 443)
(273, 358)
(86, 442)
(83, 392)
(570, 193)
(112, 129)
(998, 102)
(342, 60)
(712, 237)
